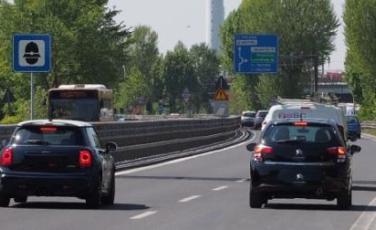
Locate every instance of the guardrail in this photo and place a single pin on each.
(142, 139)
(368, 124)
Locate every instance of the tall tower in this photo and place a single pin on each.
(215, 15)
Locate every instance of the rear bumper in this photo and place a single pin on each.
(22, 184)
(301, 181)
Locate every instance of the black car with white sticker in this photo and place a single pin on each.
(301, 159)
(57, 158)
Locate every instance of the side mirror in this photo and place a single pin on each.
(355, 149)
(251, 147)
(111, 146)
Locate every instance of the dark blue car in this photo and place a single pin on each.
(57, 158)
(353, 127)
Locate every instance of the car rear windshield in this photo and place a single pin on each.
(312, 133)
(48, 135)
(351, 119)
(250, 114)
(261, 114)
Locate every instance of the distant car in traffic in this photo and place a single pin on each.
(354, 129)
(57, 158)
(248, 118)
(260, 116)
(301, 159)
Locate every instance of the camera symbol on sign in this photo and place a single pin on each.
(31, 54)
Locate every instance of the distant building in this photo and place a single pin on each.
(215, 15)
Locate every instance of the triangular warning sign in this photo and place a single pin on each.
(221, 95)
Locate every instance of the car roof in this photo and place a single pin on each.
(56, 122)
(248, 111)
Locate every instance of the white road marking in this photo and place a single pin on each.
(187, 199)
(143, 215)
(180, 160)
(220, 188)
(241, 181)
(365, 220)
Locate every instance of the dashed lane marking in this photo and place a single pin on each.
(190, 198)
(143, 215)
(220, 188)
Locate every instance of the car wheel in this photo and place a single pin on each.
(20, 199)
(256, 199)
(93, 200)
(109, 198)
(344, 199)
(4, 200)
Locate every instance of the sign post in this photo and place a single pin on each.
(31, 53)
(255, 53)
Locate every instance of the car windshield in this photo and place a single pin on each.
(289, 133)
(47, 135)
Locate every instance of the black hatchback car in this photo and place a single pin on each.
(57, 158)
(301, 159)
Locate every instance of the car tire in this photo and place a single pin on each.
(4, 200)
(94, 199)
(256, 199)
(109, 198)
(20, 199)
(344, 199)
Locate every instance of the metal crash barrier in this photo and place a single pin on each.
(140, 139)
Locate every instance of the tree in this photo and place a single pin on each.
(130, 91)
(360, 28)
(305, 29)
(88, 46)
(206, 70)
(178, 74)
(144, 55)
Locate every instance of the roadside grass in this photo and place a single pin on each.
(370, 131)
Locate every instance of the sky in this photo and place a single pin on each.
(185, 20)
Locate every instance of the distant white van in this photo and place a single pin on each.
(300, 110)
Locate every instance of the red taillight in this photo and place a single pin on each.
(339, 151)
(261, 150)
(85, 159)
(7, 157)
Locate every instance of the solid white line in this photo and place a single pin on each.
(220, 188)
(180, 160)
(187, 199)
(241, 181)
(143, 215)
(365, 219)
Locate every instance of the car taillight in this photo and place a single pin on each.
(261, 150)
(336, 151)
(85, 158)
(340, 152)
(7, 157)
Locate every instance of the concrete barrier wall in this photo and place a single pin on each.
(138, 139)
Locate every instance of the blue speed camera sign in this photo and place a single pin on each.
(31, 53)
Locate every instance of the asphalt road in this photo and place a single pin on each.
(209, 191)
